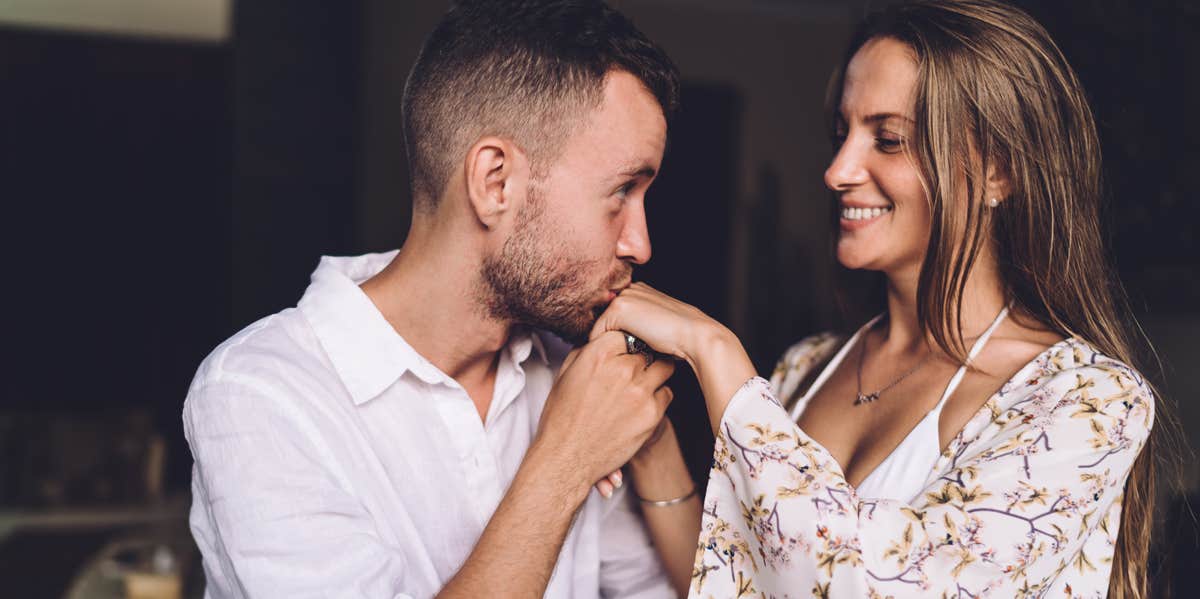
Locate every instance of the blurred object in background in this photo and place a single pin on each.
(181, 20)
(149, 564)
(82, 498)
(80, 459)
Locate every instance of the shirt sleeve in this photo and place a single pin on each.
(630, 567)
(1005, 519)
(270, 518)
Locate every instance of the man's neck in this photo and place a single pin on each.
(428, 296)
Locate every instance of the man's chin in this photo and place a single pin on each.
(576, 333)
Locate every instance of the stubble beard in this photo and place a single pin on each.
(532, 282)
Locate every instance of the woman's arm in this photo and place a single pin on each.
(1009, 515)
(721, 366)
(660, 475)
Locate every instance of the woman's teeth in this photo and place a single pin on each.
(849, 213)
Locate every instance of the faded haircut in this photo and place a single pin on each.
(525, 70)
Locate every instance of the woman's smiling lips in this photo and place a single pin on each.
(856, 216)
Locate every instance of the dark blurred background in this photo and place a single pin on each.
(173, 169)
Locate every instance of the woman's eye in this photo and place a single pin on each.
(889, 145)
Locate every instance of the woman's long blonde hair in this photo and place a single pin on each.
(995, 91)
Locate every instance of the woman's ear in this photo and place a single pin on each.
(493, 171)
(998, 183)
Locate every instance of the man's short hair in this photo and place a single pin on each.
(525, 70)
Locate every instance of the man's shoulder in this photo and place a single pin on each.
(273, 351)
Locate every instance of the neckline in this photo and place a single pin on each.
(984, 410)
(831, 367)
(933, 413)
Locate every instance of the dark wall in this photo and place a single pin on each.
(160, 196)
(297, 77)
(115, 154)
(1138, 61)
(116, 176)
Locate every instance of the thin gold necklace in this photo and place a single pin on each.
(863, 398)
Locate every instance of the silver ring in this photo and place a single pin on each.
(633, 345)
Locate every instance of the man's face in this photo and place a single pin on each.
(583, 225)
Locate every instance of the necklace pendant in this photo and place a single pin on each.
(865, 398)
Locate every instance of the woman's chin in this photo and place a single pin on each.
(855, 260)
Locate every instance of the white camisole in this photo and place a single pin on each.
(901, 476)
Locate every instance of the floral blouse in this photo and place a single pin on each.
(1024, 502)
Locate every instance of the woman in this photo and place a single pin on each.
(983, 435)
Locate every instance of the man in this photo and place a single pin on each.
(402, 432)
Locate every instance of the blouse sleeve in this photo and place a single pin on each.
(1010, 513)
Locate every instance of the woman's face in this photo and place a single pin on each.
(885, 215)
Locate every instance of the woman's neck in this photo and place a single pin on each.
(983, 298)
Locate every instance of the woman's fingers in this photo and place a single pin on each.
(617, 479)
(605, 487)
(632, 302)
(609, 320)
(609, 484)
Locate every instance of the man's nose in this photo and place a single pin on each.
(634, 243)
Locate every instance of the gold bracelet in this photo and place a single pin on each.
(667, 502)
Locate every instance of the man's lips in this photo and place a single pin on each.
(613, 292)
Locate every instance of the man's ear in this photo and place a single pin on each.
(495, 173)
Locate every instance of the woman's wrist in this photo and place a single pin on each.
(722, 367)
(718, 355)
(705, 340)
(659, 472)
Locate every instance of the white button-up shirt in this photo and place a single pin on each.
(332, 460)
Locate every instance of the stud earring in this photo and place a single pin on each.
(994, 202)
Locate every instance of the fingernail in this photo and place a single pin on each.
(617, 479)
(606, 491)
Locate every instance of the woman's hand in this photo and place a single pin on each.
(666, 324)
(672, 327)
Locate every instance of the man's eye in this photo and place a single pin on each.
(625, 189)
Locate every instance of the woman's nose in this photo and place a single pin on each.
(847, 168)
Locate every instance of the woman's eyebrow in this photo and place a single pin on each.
(883, 116)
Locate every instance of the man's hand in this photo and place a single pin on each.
(604, 406)
(665, 324)
(675, 328)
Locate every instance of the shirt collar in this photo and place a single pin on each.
(525, 342)
(366, 352)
